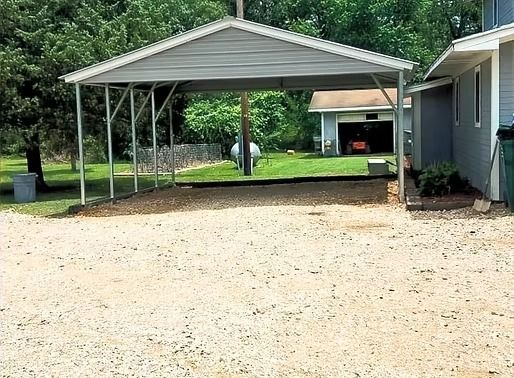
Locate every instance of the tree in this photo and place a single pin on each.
(216, 119)
(41, 42)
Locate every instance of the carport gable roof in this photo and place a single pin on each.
(234, 49)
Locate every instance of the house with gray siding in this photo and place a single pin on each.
(468, 92)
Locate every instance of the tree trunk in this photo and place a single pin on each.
(73, 161)
(34, 165)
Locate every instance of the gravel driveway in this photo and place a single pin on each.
(285, 290)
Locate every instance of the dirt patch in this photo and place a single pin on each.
(371, 192)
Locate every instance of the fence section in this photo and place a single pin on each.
(186, 156)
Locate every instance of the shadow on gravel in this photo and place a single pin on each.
(304, 194)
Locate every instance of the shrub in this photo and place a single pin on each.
(441, 178)
(93, 150)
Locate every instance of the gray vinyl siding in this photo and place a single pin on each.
(233, 53)
(472, 145)
(506, 92)
(436, 116)
(505, 13)
(506, 82)
(416, 131)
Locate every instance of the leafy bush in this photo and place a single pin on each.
(441, 178)
(216, 119)
(94, 152)
(11, 143)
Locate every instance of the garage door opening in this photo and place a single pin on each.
(366, 138)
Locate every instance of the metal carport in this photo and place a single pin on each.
(232, 55)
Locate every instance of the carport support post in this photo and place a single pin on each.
(399, 138)
(245, 125)
(172, 144)
(245, 120)
(154, 142)
(134, 138)
(109, 141)
(81, 146)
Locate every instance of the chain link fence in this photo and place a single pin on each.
(186, 156)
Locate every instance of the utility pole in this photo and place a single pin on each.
(245, 118)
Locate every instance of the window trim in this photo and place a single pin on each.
(456, 104)
(477, 91)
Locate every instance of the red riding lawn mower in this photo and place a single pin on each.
(357, 146)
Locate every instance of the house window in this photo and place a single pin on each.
(495, 13)
(478, 96)
(457, 101)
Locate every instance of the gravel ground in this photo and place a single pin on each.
(323, 289)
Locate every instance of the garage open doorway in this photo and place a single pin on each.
(373, 134)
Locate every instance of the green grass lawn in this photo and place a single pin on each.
(278, 165)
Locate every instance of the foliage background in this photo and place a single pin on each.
(40, 41)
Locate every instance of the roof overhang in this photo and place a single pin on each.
(428, 85)
(387, 71)
(357, 109)
(465, 53)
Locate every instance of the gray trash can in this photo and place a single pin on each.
(24, 187)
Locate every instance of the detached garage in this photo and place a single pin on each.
(358, 121)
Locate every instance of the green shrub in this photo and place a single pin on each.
(94, 151)
(440, 179)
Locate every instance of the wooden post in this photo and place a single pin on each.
(245, 118)
(240, 9)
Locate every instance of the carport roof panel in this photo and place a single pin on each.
(232, 49)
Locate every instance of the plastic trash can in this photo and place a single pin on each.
(24, 187)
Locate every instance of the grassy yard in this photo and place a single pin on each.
(279, 165)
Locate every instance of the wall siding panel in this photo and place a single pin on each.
(472, 145)
(437, 120)
(506, 92)
(506, 82)
(234, 53)
(506, 12)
